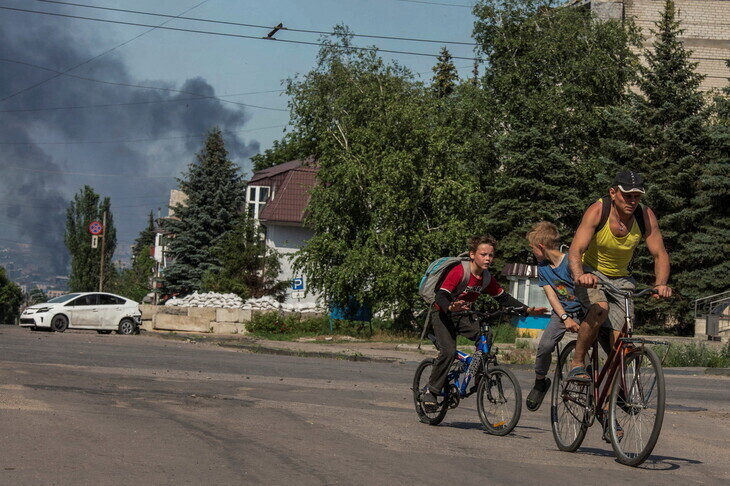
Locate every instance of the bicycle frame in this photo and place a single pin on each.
(615, 362)
(483, 344)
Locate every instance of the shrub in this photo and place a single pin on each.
(694, 354)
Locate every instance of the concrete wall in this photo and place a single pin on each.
(287, 240)
(194, 319)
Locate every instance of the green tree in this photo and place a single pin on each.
(11, 297)
(85, 208)
(292, 147)
(248, 267)
(36, 296)
(215, 195)
(146, 238)
(549, 73)
(394, 190)
(662, 133)
(710, 245)
(135, 282)
(445, 76)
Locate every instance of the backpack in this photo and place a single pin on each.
(436, 272)
(606, 209)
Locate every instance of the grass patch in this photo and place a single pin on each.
(695, 355)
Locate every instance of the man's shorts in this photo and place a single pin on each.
(616, 303)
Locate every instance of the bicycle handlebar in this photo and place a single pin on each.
(515, 311)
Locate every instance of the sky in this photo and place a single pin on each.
(125, 108)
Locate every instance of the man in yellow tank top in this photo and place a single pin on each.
(604, 254)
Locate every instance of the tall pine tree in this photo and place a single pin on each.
(709, 246)
(548, 73)
(215, 195)
(445, 76)
(86, 261)
(662, 133)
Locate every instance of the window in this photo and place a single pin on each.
(256, 198)
(110, 300)
(90, 299)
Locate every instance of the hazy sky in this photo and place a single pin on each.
(112, 105)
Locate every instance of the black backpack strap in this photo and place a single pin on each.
(639, 215)
(486, 279)
(605, 210)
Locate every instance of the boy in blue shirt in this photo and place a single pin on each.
(556, 280)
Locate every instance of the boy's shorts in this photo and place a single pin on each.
(616, 303)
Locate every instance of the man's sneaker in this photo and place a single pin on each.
(429, 401)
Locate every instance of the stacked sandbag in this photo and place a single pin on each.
(207, 299)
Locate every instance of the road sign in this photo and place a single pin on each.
(95, 228)
(297, 283)
(297, 294)
(94, 241)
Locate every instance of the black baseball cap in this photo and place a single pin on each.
(628, 181)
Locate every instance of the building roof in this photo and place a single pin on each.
(289, 200)
(306, 164)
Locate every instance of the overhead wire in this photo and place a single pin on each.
(129, 85)
(225, 34)
(28, 88)
(267, 27)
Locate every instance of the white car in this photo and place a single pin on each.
(100, 311)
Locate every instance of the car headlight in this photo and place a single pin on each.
(42, 309)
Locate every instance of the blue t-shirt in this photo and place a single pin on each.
(560, 279)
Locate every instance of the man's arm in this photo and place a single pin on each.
(552, 297)
(580, 243)
(655, 245)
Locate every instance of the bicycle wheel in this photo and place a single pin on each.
(499, 401)
(571, 403)
(636, 409)
(420, 381)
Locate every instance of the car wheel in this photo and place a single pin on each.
(59, 323)
(127, 326)
(104, 332)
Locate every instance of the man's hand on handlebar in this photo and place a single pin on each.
(587, 280)
(662, 292)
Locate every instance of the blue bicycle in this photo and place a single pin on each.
(499, 397)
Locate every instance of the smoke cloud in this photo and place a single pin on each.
(131, 149)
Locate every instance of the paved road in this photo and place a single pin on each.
(81, 408)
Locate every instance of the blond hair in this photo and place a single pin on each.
(546, 234)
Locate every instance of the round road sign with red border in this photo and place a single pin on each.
(95, 228)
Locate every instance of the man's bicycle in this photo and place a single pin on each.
(627, 395)
(499, 398)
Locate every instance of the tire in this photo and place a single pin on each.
(499, 401)
(420, 381)
(637, 405)
(59, 323)
(127, 327)
(570, 406)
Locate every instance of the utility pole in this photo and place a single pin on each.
(103, 244)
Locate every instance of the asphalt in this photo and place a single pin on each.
(356, 350)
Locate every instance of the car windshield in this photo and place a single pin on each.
(63, 298)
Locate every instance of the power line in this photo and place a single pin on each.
(107, 105)
(83, 142)
(238, 36)
(433, 3)
(267, 27)
(95, 57)
(128, 85)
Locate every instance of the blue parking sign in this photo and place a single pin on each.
(297, 283)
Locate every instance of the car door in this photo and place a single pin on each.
(110, 311)
(83, 311)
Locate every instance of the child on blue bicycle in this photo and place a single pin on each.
(452, 297)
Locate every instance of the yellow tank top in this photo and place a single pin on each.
(610, 254)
